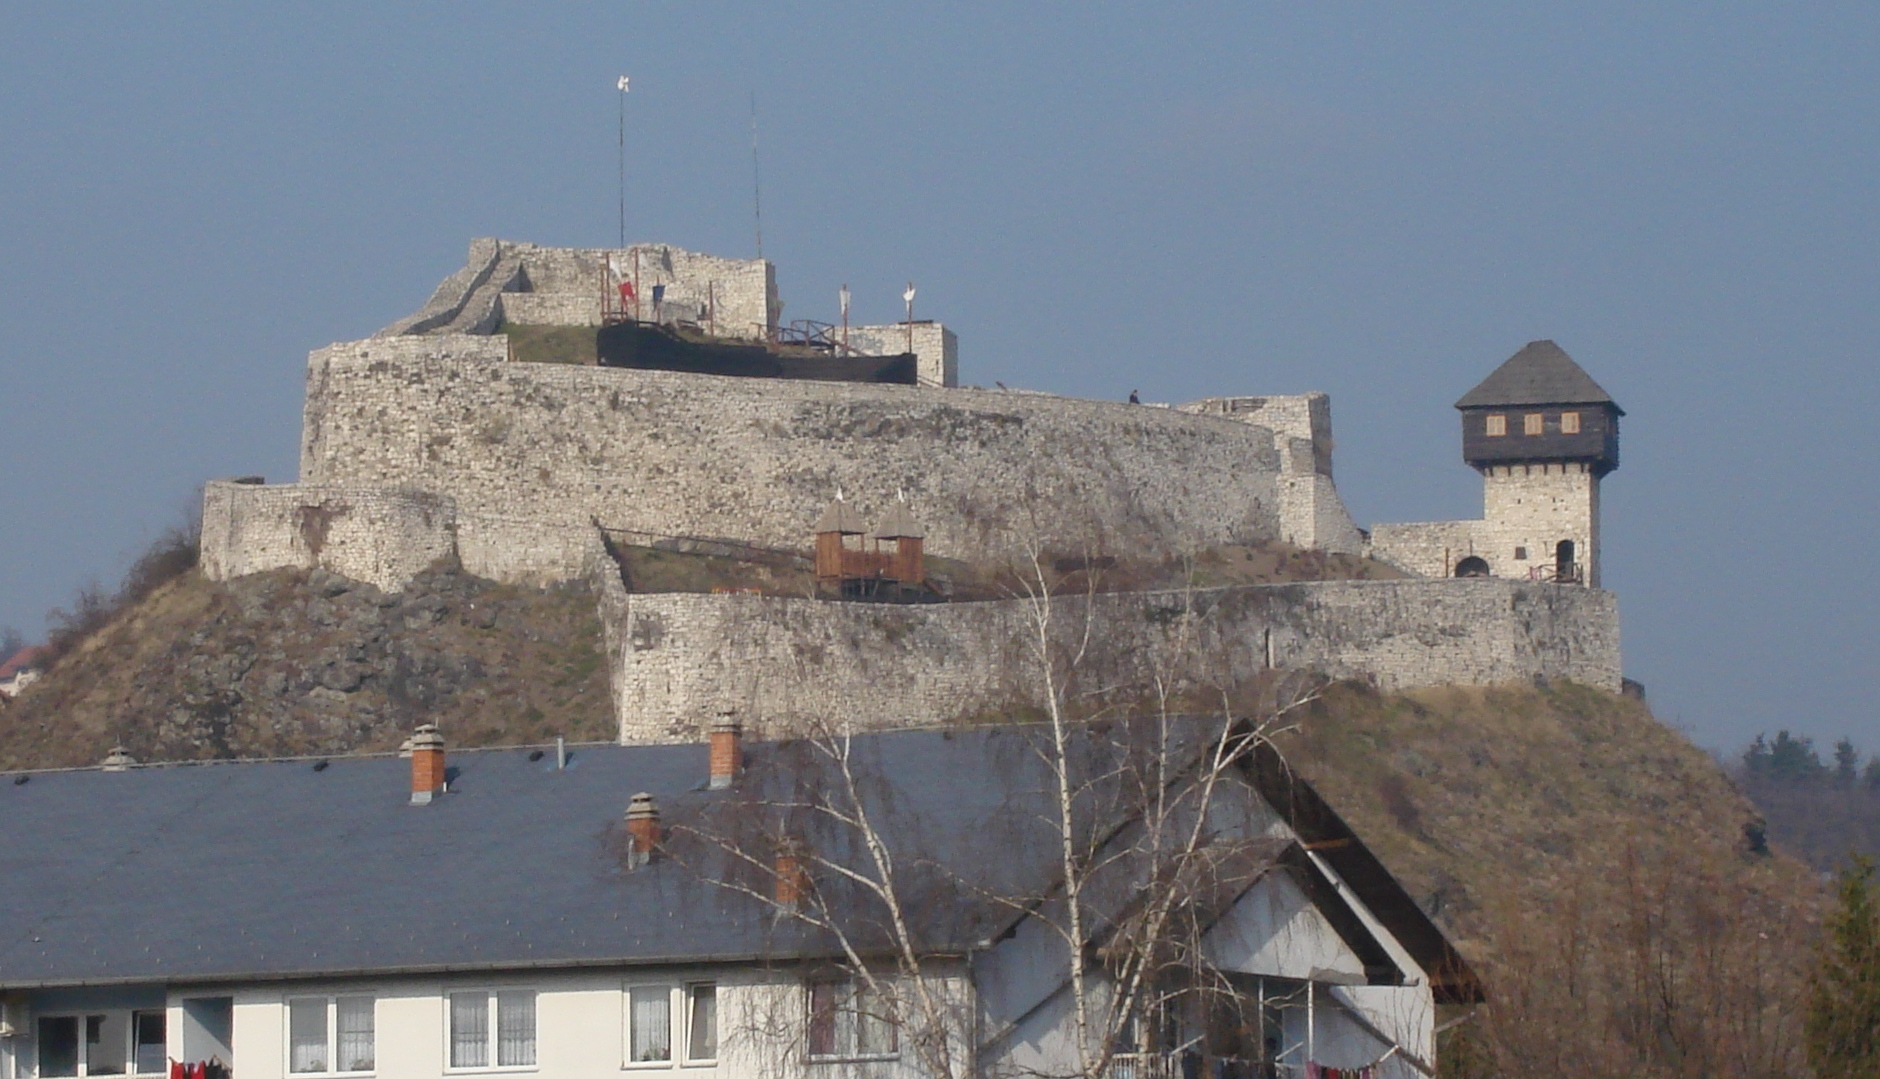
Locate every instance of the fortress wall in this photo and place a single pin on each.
(379, 536)
(936, 348)
(552, 308)
(788, 663)
(1303, 421)
(1527, 510)
(759, 459)
(1426, 548)
(742, 291)
(1312, 515)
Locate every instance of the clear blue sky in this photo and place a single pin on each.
(1370, 200)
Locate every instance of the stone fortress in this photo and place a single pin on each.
(434, 441)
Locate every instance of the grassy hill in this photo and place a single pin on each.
(289, 663)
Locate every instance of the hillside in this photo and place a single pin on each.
(289, 663)
(1606, 874)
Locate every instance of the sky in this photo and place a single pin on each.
(1378, 201)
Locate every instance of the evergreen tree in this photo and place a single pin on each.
(1871, 777)
(1843, 1024)
(1792, 759)
(1756, 757)
(1846, 763)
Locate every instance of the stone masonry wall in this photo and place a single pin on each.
(936, 348)
(759, 459)
(783, 664)
(380, 536)
(1527, 510)
(1312, 512)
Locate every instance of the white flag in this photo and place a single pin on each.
(623, 84)
(844, 296)
(909, 294)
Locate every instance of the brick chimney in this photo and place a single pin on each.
(427, 764)
(642, 829)
(727, 751)
(792, 874)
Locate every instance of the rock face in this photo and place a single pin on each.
(292, 663)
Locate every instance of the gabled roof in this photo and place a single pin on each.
(1540, 374)
(25, 659)
(1327, 835)
(274, 870)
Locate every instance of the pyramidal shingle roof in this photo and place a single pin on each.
(1540, 374)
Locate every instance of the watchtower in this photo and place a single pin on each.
(1542, 433)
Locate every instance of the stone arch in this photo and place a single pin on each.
(1472, 566)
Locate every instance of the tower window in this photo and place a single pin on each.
(1520, 554)
(1533, 423)
(1497, 425)
(1569, 423)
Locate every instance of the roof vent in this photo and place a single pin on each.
(118, 759)
(427, 764)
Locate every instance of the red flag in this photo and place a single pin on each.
(627, 294)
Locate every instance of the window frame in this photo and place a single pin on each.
(689, 1004)
(626, 1027)
(492, 1018)
(844, 1054)
(1495, 425)
(81, 1020)
(1569, 423)
(331, 1002)
(1533, 424)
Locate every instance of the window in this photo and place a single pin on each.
(102, 1043)
(701, 1022)
(148, 1051)
(58, 1045)
(509, 1041)
(1534, 423)
(1569, 423)
(1497, 425)
(649, 1024)
(107, 1044)
(1520, 554)
(331, 1034)
(848, 1019)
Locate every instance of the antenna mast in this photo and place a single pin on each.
(757, 182)
(623, 159)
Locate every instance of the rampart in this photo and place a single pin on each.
(987, 472)
(682, 659)
(380, 536)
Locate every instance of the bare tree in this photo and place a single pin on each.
(1127, 864)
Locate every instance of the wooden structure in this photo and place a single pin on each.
(1540, 408)
(893, 554)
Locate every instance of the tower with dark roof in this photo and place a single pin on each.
(1543, 434)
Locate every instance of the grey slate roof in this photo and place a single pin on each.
(273, 870)
(248, 871)
(1540, 374)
